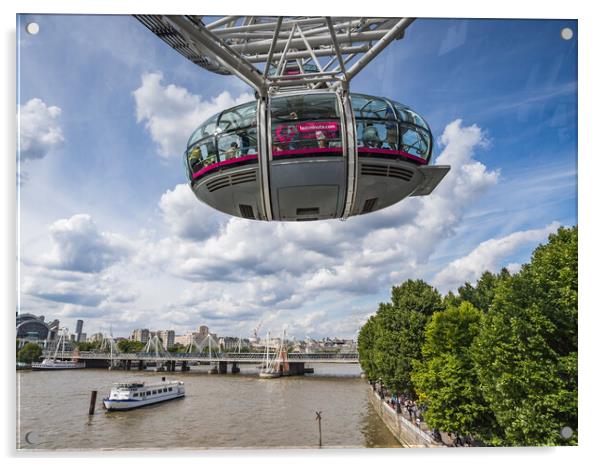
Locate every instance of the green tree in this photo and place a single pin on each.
(29, 353)
(177, 348)
(130, 346)
(446, 379)
(365, 346)
(87, 345)
(399, 333)
(526, 353)
(481, 295)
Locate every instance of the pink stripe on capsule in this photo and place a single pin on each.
(222, 163)
(310, 150)
(374, 150)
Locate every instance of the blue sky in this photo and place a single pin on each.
(109, 231)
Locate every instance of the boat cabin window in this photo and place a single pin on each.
(307, 124)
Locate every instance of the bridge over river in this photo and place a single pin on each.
(295, 362)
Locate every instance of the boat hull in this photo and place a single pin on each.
(44, 367)
(126, 405)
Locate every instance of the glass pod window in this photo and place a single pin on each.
(206, 129)
(306, 125)
(237, 132)
(225, 139)
(202, 154)
(384, 130)
(237, 144)
(376, 125)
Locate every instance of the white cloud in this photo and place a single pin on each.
(188, 218)
(489, 255)
(39, 129)
(171, 113)
(79, 246)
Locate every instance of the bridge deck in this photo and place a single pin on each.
(242, 358)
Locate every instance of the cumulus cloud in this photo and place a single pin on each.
(171, 113)
(489, 255)
(79, 246)
(188, 218)
(39, 129)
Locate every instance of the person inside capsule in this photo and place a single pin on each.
(322, 141)
(371, 138)
(233, 152)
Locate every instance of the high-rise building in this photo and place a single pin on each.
(54, 329)
(167, 337)
(96, 337)
(79, 326)
(141, 334)
(198, 339)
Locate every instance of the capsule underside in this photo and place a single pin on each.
(311, 156)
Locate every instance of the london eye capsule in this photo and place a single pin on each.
(326, 156)
(307, 148)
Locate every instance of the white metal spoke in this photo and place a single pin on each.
(260, 49)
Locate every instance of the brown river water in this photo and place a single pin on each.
(219, 411)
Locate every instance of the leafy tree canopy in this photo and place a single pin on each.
(29, 353)
(526, 352)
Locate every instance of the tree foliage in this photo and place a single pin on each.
(395, 334)
(446, 380)
(481, 295)
(526, 352)
(497, 360)
(365, 344)
(130, 346)
(177, 348)
(29, 353)
(87, 345)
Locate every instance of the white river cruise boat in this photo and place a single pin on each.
(53, 364)
(131, 395)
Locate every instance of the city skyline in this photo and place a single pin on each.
(202, 329)
(134, 246)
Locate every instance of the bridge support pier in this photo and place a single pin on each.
(173, 366)
(128, 364)
(235, 369)
(222, 367)
(185, 367)
(296, 368)
(141, 365)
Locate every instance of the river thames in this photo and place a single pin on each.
(219, 411)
